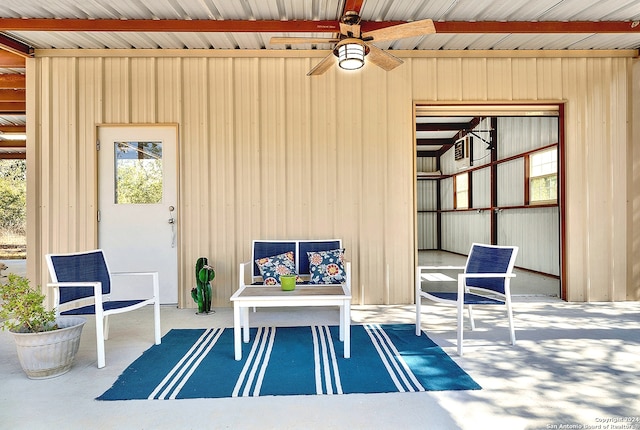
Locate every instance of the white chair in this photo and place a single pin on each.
(485, 281)
(85, 276)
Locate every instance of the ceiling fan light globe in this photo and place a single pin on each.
(351, 56)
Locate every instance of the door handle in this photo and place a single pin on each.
(172, 221)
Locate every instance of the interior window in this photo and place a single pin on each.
(543, 176)
(462, 191)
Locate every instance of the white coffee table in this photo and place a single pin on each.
(304, 295)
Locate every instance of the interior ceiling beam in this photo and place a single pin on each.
(302, 26)
(427, 154)
(435, 141)
(443, 126)
(10, 60)
(10, 81)
(9, 44)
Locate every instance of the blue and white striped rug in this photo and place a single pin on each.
(199, 363)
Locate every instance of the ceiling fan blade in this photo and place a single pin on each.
(382, 58)
(324, 65)
(297, 40)
(400, 31)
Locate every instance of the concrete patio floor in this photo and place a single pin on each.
(575, 364)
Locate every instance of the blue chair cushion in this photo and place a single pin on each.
(326, 267)
(107, 306)
(469, 298)
(271, 268)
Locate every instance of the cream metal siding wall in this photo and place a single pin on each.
(267, 152)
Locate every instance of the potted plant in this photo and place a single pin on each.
(201, 294)
(46, 345)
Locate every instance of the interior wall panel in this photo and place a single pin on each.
(258, 137)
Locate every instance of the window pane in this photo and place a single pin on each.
(544, 163)
(138, 172)
(462, 191)
(544, 176)
(544, 188)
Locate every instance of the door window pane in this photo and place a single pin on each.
(138, 172)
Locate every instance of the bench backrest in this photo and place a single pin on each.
(269, 248)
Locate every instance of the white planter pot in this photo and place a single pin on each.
(51, 353)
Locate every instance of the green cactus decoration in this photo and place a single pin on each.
(201, 294)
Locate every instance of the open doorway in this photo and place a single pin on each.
(13, 216)
(492, 174)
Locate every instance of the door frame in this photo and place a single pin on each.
(489, 108)
(176, 128)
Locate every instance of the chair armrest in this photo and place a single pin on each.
(97, 293)
(420, 268)
(154, 275)
(133, 273)
(347, 269)
(73, 284)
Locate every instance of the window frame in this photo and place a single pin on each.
(529, 179)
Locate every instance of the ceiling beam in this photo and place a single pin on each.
(443, 126)
(352, 5)
(13, 96)
(13, 129)
(435, 141)
(537, 27)
(13, 156)
(10, 81)
(13, 144)
(13, 108)
(10, 60)
(302, 26)
(15, 47)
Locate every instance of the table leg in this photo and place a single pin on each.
(245, 324)
(237, 345)
(346, 322)
(342, 321)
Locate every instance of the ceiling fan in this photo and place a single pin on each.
(352, 45)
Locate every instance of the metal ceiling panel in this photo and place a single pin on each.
(290, 10)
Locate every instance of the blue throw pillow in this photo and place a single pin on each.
(272, 267)
(327, 267)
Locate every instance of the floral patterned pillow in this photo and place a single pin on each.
(327, 267)
(272, 267)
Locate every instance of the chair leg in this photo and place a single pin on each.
(106, 327)
(473, 323)
(156, 322)
(418, 290)
(100, 340)
(512, 330)
(418, 315)
(460, 312)
(460, 317)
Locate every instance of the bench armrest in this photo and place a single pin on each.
(242, 273)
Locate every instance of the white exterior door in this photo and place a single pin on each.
(138, 201)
